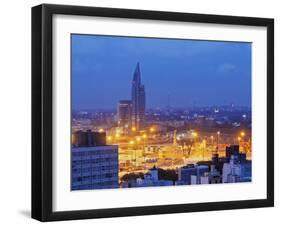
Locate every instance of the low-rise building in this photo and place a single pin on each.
(236, 171)
(191, 174)
(150, 179)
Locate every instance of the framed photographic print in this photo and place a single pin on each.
(145, 112)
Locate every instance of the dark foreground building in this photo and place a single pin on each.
(94, 165)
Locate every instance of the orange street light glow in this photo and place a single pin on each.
(134, 129)
(242, 134)
(131, 142)
(195, 134)
(117, 135)
(101, 130)
(151, 129)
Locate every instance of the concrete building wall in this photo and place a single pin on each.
(94, 167)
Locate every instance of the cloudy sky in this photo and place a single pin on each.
(188, 72)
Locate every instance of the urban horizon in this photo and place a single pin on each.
(171, 107)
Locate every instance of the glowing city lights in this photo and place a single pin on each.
(195, 134)
(117, 135)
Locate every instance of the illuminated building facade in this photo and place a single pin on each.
(124, 112)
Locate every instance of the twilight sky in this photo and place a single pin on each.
(192, 73)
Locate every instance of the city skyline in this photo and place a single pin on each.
(138, 99)
(227, 81)
(139, 144)
(131, 112)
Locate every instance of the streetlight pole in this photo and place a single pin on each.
(242, 135)
(204, 149)
(218, 140)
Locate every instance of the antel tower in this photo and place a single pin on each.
(138, 100)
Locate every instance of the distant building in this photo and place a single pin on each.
(199, 174)
(150, 179)
(231, 150)
(94, 164)
(204, 179)
(214, 175)
(237, 169)
(194, 179)
(138, 100)
(124, 113)
(191, 174)
(88, 138)
(185, 173)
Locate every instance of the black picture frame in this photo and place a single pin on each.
(42, 107)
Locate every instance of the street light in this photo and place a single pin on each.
(242, 134)
(204, 148)
(218, 138)
(134, 129)
(239, 139)
(117, 135)
(212, 139)
(151, 129)
(194, 134)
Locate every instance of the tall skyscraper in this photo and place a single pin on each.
(138, 100)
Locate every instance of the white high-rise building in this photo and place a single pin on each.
(236, 171)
